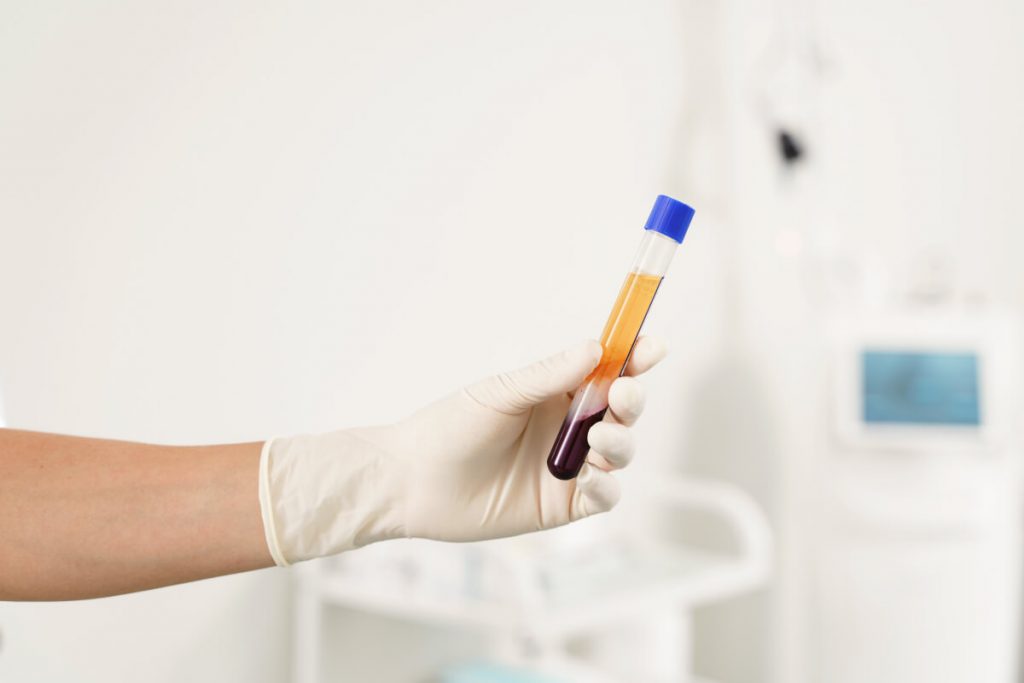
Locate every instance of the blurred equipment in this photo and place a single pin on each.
(791, 149)
(916, 572)
(494, 673)
(594, 602)
(788, 74)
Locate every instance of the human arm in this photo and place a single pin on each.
(83, 518)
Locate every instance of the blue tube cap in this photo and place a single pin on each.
(670, 217)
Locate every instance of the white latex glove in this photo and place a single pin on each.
(471, 466)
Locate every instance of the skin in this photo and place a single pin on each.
(86, 518)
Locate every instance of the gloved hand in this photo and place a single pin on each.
(471, 466)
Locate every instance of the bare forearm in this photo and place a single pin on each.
(85, 518)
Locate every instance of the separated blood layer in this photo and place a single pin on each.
(591, 400)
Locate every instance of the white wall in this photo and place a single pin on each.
(224, 221)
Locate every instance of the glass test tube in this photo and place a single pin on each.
(664, 231)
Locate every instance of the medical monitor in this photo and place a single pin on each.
(923, 383)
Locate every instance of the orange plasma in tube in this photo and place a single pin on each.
(591, 400)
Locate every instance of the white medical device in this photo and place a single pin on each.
(923, 383)
(916, 505)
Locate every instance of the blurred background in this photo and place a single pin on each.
(223, 221)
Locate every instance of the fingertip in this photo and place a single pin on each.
(591, 349)
(626, 399)
(648, 352)
(582, 356)
(657, 347)
(574, 363)
(599, 491)
(611, 444)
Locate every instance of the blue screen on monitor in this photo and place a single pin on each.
(902, 387)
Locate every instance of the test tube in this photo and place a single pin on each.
(663, 232)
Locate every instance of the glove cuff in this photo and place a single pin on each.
(267, 508)
(326, 493)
